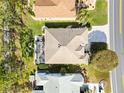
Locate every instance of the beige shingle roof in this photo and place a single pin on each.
(54, 8)
(47, 2)
(61, 45)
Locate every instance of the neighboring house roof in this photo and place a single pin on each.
(61, 46)
(46, 2)
(68, 83)
(55, 8)
(57, 83)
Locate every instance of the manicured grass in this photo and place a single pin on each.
(100, 14)
(42, 66)
(95, 76)
(36, 26)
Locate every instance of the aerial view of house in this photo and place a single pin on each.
(61, 46)
(66, 46)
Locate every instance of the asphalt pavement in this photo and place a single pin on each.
(117, 44)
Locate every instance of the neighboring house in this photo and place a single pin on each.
(55, 9)
(60, 9)
(57, 83)
(66, 46)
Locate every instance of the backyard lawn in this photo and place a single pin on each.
(36, 26)
(100, 14)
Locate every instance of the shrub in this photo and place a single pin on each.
(63, 71)
(27, 43)
(105, 60)
(60, 24)
(42, 66)
(97, 46)
(57, 68)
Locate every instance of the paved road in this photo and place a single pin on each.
(117, 44)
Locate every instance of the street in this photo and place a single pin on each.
(117, 43)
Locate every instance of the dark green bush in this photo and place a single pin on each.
(63, 71)
(69, 68)
(97, 46)
(60, 24)
(89, 26)
(27, 43)
(105, 60)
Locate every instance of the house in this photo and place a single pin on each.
(58, 83)
(66, 46)
(55, 9)
(60, 9)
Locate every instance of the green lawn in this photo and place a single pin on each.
(43, 66)
(100, 14)
(95, 76)
(36, 26)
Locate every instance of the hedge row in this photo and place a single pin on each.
(98, 46)
(60, 24)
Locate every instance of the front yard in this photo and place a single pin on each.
(95, 76)
(100, 14)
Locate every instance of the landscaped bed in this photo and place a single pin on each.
(60, 68)
(36, 27)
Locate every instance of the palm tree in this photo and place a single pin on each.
(84, 18)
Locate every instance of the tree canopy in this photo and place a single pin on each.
(14, 71)
(105, 60)
(84, 18)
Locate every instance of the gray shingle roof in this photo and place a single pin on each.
(64, 36)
